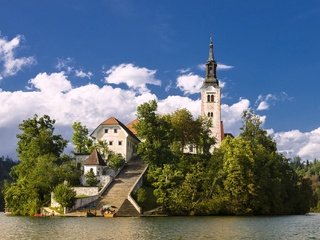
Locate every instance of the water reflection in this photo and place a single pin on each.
(285, 227)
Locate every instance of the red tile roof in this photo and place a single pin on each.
(115, 121)
(111, 121)
(94, 159)
(131, 126)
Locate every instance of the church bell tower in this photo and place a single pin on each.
(211, 97)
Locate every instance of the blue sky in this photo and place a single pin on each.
(87, 60)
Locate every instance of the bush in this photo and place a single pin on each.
(91, 179)
(64, 195)
(115, 161)
(141, 195)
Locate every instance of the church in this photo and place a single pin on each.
(123, 138)
(211, 97)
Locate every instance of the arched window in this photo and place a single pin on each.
(208, 114)
(211, 98)
(208, 98)
(211, 114)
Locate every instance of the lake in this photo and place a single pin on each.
(281, 227)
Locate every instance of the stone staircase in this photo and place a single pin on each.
(117, 193)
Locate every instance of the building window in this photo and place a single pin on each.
(190, 148)
(110, 143)
(119, 143)
(106, 130)
(210, 114)
(115, 130)
(210, 98)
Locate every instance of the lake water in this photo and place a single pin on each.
(284, 227)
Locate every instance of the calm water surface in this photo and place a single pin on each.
(284, 227)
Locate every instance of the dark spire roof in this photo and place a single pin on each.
(94, 159)
(211, 69)
(211, 56)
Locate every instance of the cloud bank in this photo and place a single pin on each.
(11, 64)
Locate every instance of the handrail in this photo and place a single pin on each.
(130, 198)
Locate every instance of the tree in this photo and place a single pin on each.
(6, 164)
(259, 180)
(91, 179)
(166, 136)
(64, 195)
(115, 161)
(42, 166)
(157, 135)
(80, 138)
(102, 147)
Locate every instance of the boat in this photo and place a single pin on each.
(108, 211)
(108, 215)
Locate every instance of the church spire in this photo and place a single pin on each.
(211, 56)
(211, 68)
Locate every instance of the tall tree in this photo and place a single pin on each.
(42, 166)
(80, 138)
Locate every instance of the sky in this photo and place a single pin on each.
(82, 60)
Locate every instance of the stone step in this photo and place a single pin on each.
(127, 210)
(117, 193)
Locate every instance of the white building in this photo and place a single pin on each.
(94, 162)
(118, 137)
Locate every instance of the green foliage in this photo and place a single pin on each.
(115, 161)
(64, 195)
(41, 167)
(91, 179)
(102, 147)
(245, 176)
(166, 136)
(6, 164)
(309, 170)
(141, 195)
(80, 138)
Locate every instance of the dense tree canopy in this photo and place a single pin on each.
(42, 166)
(244, 176)
(166, 136)
(6, 163)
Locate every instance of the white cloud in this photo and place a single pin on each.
(68, 66)
(10, 64)
(134, 77)
(220, 66)
(264, 101)
(173, 103)
(189, 83)
(297, 143)
(65, 64)
(184, 70)
(51, 83)
(53, 94)
(80, 73)
(264, 105)
(231, 115)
